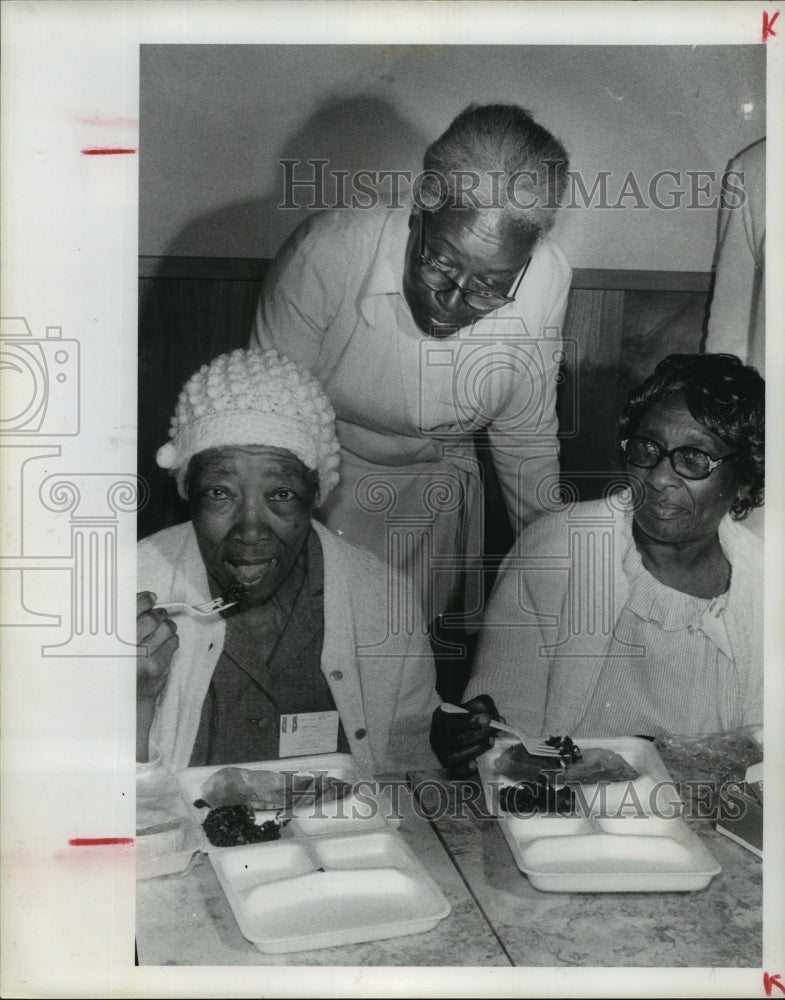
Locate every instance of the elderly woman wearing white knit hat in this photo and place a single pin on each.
(305, 660)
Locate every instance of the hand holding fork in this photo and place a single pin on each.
(457, 738)
(532, 746)
(156, 641)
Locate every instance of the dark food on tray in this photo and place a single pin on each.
(543, 784)
(517, 763)
(230, 826)
(537, 796)
(569, 752)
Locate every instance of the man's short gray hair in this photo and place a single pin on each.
(495, 156)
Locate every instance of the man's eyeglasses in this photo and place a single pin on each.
(438, 276)
(689, 463)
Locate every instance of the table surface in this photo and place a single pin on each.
(497, 917)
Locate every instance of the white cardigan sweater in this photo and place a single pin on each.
(559, 593)
(384, 695)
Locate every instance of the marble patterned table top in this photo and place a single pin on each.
(719, 926)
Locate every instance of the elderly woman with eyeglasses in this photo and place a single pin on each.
(426, 323)
(641, 613)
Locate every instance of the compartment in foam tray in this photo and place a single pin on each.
(535, 826)
(620, 855)
(355, 812)
(321, 892)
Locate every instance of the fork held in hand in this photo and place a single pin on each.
(207, 608)
(530, 745)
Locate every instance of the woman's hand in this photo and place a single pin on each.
(156, 640)
(458, 739)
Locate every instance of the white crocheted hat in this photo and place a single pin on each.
(253, 397)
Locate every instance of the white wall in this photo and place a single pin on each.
(215, 120)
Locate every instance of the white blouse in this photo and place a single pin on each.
(683, 679)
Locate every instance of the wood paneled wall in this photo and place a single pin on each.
(190, 310)
(618, 325)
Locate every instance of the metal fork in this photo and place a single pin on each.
(207, 608)
(530, 745)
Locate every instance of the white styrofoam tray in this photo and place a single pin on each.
(629, 838)
(296, 895)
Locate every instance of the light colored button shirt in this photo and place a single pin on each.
(738, 308)
(407, 404)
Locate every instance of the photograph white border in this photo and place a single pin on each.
(70, 80)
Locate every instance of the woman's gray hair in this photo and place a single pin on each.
(495, 156)
(726, 397)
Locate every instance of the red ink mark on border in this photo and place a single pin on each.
(105, 152)
(768, 980)
(99, 841)
(108, 122)
(768, 26)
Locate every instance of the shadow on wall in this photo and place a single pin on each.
(353, 135)
(185, 323)
(655, 326)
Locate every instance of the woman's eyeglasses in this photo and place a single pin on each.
(689, 463)
(438, 277)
